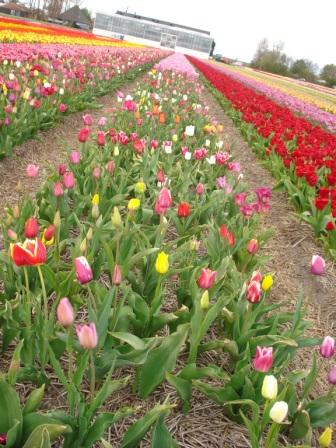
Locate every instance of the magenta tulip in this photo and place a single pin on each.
(332, 376)
(74, 157)
(206, 278)
(327, 348)
(263, 359)
(317, 265)
(83, 270)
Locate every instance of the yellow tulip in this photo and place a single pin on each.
(95, 199)
(267, 282)
(325, 438)
(116, 218)
(140, 187)
(162, 263)
(133, 204)
(269, 388)
(205, 300)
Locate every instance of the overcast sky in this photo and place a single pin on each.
(307, 27)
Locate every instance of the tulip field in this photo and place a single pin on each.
(134, 281)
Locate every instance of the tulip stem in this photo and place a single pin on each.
(27, 296)
(93, 300)
(44, 293)
(92, 375)
(272, 436)
(70, 352)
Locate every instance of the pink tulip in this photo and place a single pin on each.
(200, 189)
(332, 376)
(75, 157)
(87, 336)
(206, 278)
(32, 170)
(263, 359)
(110, 166)
(87, 119)
(116, 275)
(317, 265)
(256, 277)
(65, 312)
(327, 348)
(252, 246)
(163, 202)
(62, 108)
(102, 121)
(69, 179)
(83, 270)
(58, 189)
(62, 169)
(96, 172)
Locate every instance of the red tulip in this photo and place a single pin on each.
(227, 235)
(263, 359)
(49, 232)
(3, 439)
(31, 228)
(29, 253)
(206, 278)
(183, 210)
(62, 169)
(101, 138)
(83, 135)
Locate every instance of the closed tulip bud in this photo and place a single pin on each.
(252, 246)
(253, 292)
(11, 235)
(31, 228)
(228, 315)
(205, 300)
(116, 275)
(263, 359)
(62, 169)
(57, 219)
(69, 179)
(83, 135)
(95, 211)
(58, 189)
(267, 282)
(325, 438)
(199, 189)
(317, 265)
(116, 218)
(95, 199)
(89, 234)
(74, 157)
(327, 348)
(65, 313)
(101, 138)
(83, 246)
(116, 151)
(183, 210)
(140, 187)
(16, 211)
(96, 172)
(110, 166)
(332, 376)
(162, 263)
(279, 411)
(194, 245)
(269, 388)
(206, 278)
(83, 270)
(49, 233)
(87, 336)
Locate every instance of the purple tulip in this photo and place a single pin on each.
(317, 265)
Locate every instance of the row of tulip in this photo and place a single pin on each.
(288, 99)
(25, 31)
(301, 156)
(322, 97)
(39, 84)
(139, 251)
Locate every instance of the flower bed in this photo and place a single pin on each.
(141, 251)
(41, 83)
(300, 155)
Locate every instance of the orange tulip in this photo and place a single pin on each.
(162, 117)
(177, 119)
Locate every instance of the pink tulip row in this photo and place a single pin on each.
(178, 63)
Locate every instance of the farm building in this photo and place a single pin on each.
(14, 9)
(154, 32)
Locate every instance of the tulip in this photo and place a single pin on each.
(116, 218)
(57, 219)
(3, 439)
(29, 253)
(87, 336)
(31, 228)
(252, 246)
(62, 169)
(65, 313)
(263, 359)
(74, 157)
(95, 211)
(183, 210)
(327, 348)
(58, 189)
(140, 187)
(332, 376)
(12, 235)
(87, 119)
(96, 172)
(269, 388)
(160, 176)
(69, 179)
(62, 108)
(206, 278)
(163, 202)
(325, 438)
(110, 166)
(101, 138)
(227, 235)
(199, 189)
(253, 292)
(205, 300)
(267, 282)
(102, 121)
(317, 265)
(116, 275)
(83, 135)
(279, 411)
(83, 270)
(133, 204)
(32, 170)
(162, 263)
(95, 199)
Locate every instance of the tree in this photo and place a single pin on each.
(328, 73)
(213, 45)
(274, 61)
(304, 68)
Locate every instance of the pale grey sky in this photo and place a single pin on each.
(307, 27)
